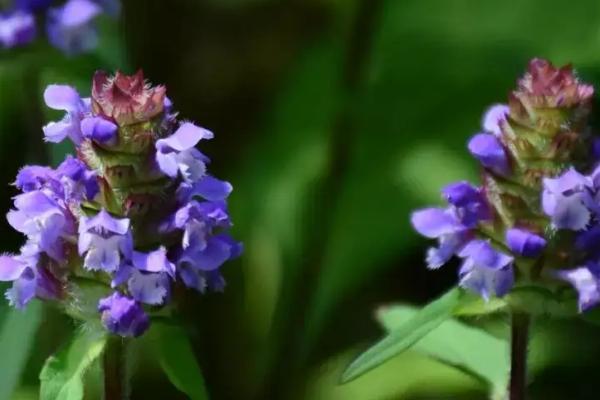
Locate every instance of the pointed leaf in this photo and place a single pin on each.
(63, 375)
(479, 306)
(410, 375)
(406, 335)
(176, 357)
(452, 342)
(16, 338)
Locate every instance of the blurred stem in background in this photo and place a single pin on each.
(518, 355)
(298, 347)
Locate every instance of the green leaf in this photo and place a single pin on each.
(537, 300)
(63, 374)
(16, 339)
(176, 357)
(406, 335)
(457, 344)
(477, 306)
(410, 375)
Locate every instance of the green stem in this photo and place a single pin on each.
(116, 385)
(518, 366)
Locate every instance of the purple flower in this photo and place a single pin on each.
(525, 243)
(436, 222)
(123, 316)
(196, 264)
(202, 251)
(34, 177)
(485, 271)
(444, 225)
(586, 280)
(202, 280)
(208, 187)
(17, 29)
(100, 130)
(489, 151)
(38, 216)
(21, 273)
(197, 221)
(451, 226)
(212, 255)
(188, 225)
(104, 240)
(29, 280)
(154, 261)
(177, 153)
(77, 180)
(62, 97)
(149, 279)
(565, 200)
(72, 180)
(149, 288)
(70, 27)
(494, 118)
(468, 201)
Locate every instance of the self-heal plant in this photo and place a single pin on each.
(116, 232)
(533, 225)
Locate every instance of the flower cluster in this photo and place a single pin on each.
(536, 219)
(484, 270)
(69, 27)
(135, 211)
(572, 201)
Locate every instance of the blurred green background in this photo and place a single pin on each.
(333, 120)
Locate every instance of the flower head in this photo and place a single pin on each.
(512, 228)
(135, 210)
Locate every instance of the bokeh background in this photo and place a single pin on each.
(333, 120)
